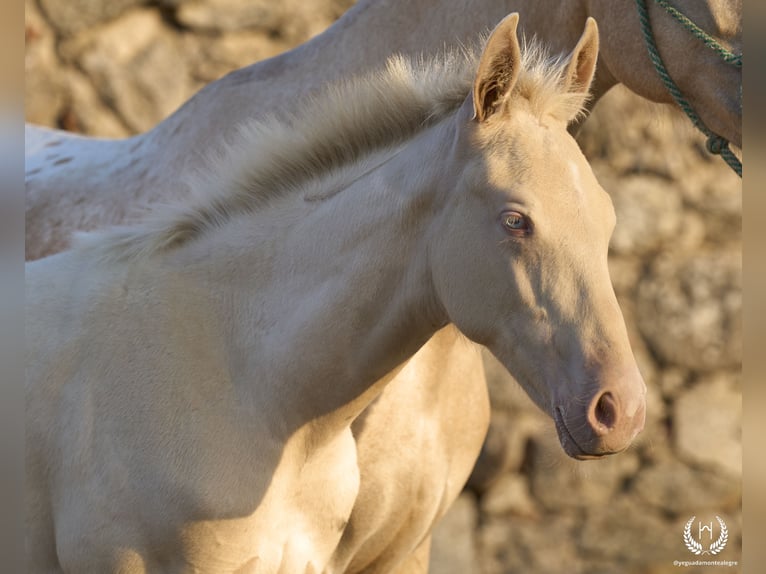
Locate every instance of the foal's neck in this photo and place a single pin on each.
(338, 292)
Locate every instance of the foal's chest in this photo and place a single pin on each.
(297, 525)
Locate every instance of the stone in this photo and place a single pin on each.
(509, 495)
(708, 424)
(543, 545)
(231, 15)
(289, 20)
(71, 16)
(674, 487)
(626, 532)
(716, 194)
(138, 66)
(559, 482)
(649, 214)
(635, 136)
(673, 380)
(689, 306)
(86, 111)
(44, 93)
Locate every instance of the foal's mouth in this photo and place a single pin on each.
(568, 442)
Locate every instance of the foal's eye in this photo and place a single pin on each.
(515, 223)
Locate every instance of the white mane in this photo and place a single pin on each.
(331, 132)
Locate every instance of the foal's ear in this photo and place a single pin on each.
(582, 60)
(498, 68)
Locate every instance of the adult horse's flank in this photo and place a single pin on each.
(192, 380)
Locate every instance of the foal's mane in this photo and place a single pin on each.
(344, 124)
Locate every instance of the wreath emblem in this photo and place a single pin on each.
(695, 546)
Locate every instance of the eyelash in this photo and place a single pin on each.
(515, 224)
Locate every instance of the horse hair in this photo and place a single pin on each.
(331, 131)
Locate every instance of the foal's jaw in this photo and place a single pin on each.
(597, 411)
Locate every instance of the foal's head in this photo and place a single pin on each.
(520, 256)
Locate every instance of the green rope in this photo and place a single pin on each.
(715, 144)
(726, 55)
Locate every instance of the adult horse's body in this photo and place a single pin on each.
(76, 183)
(192, 380)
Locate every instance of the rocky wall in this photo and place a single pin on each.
(117, 67)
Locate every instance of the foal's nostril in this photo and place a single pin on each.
(605, 412)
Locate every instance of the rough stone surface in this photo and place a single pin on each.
(621, 532)
(675, 487)
(72, 16)
(563, 483)
(510, 494)
(116, 67)
(649, 214)
(137, 66)
(689, 309)
(232, 15)
(707, 424)
(546, 545)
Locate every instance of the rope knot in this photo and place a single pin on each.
(716, 144)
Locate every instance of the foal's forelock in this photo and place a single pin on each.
(335, 131)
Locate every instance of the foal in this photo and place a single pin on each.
(192, 380)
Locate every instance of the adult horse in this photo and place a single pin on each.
(192, 380)
(76, 183)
